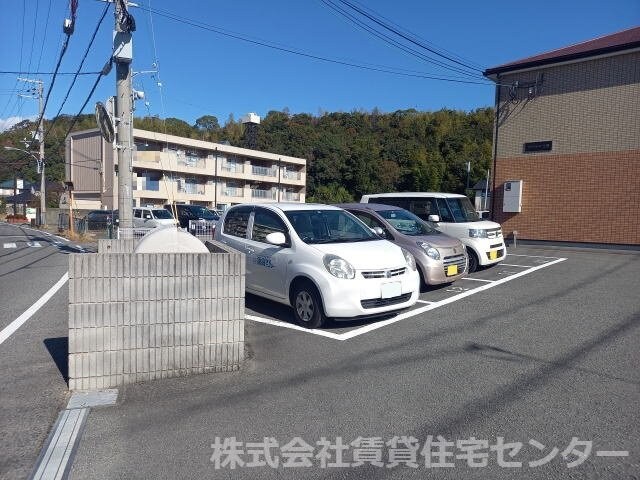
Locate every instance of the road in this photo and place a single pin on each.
(534, 361)
(33, 358)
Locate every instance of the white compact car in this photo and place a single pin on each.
(321, 260)
(454, 215)
(149, 217)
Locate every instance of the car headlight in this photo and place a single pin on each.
(410, 259)
(338, 267)
(432, 252)
(477, 233)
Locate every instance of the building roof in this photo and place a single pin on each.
(614, 42)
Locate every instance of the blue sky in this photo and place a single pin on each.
(206, 73)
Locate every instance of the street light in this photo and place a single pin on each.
(43, 196)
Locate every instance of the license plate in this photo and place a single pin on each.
(390, 290)
(493, 254)
(452, 270)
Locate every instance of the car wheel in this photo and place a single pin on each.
(473, 261)
(307, 306)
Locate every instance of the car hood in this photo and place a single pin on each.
(437, 240)
(376, 254)
(165, 221)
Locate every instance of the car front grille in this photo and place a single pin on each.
(384, 302)
(458, 260)
(394, 272)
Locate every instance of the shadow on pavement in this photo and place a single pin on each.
(59, 350)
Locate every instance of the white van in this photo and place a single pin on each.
(454, 215)
(151, 217)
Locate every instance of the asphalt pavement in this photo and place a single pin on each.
(546, 364)
(33, 358)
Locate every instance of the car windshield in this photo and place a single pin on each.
(161, 213)
(329, 226)
(462, 210)
(201, 212)
(407, 223)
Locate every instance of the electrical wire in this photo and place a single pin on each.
(395, 31)
(391, 41)
(33, 37)
(44, 37)
(24, 14)
(291, 50)
(75, 77)
(73, 6)
(16, 72)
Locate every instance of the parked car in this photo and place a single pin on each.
(454, 215)
(320, 260)
(196, 219)
(150, 217)
(440, 258)
(101, 219)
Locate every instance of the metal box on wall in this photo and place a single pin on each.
(512, 196)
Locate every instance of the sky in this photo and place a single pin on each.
(202, 72)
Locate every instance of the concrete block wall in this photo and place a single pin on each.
(138, 317)
(125, 245)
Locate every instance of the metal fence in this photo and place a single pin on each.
(135, 233)
(203, 230)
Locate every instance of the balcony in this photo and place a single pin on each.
(191, 188)
(233, 192)
(191, 161)
(264, 171)
(290, 196)
(233, 167)
(270, 194)
(291, 175)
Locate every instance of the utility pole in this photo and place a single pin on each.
(40, 136)
(123, 55)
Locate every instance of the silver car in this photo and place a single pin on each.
(439, 257)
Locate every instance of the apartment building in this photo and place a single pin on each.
(568, 133)
(169, 168)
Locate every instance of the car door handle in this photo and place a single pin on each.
(249, 250)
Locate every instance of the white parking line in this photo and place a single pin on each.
(512, 265)
(403, 316)
(18, 322)
(477, 279)
(10, 245)
(424, 301)
(531, 256)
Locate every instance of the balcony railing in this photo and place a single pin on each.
(233, 192)
(291, 175)
(291, 196)
(191, 161)
(263, 171)
(233, 167)
(255, 193)
(191, 188)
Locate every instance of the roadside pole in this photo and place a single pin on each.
(123, 54)
(43, 193)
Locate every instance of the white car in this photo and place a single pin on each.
(150, 217)
(454, 215)
(321, 260)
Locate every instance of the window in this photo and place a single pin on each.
(372, 222)
(137, 213)
(423, 207)
(328, 226)
(264, 223)
(407, 223)
(236, 222)
(445, 214)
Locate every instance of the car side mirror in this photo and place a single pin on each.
(147, 216)
(276, 238)
(378, 231)
(434, 218)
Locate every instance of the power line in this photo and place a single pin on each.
(382, 69)
(24, 13)
(68, 30)
(44, 38)
(389, 40)
(33, 37)
(75, 77)
(384, 25)
(17, 72)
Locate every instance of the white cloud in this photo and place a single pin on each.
(7, 123)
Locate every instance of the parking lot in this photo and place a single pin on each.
(539, 352)
(515, 266)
